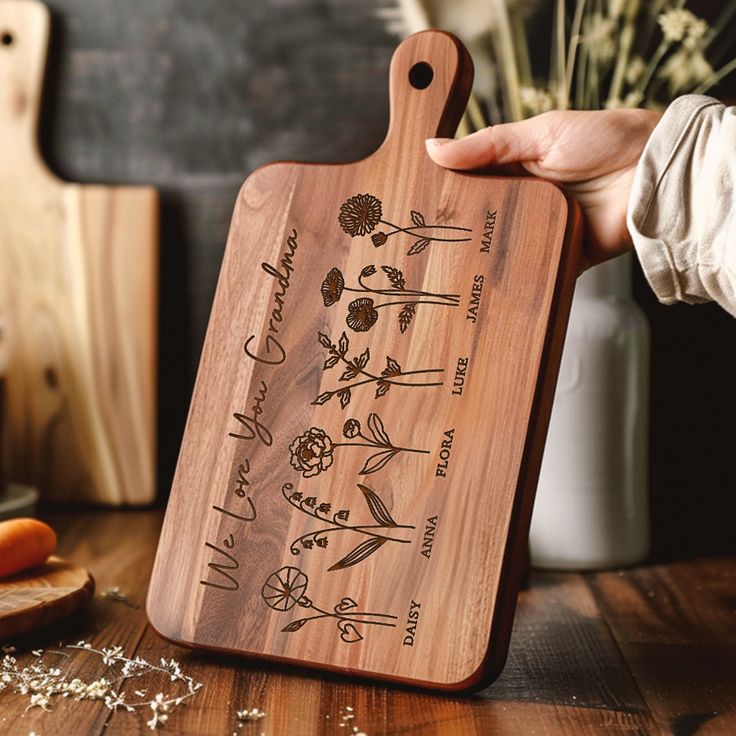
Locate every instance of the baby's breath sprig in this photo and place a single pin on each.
(604, 54)
(42, 682)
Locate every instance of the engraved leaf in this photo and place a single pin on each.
(418, 247)
(377, 507)
(392, 367)
(349, 634)
(417, 218)
(331, 362)
(323, 398)
(349, 373)
(405, 316)
(294, 626)
(394, 276)
(324, 341)
(382, 388)
(344, 395)
(362, 360)
(345, 605)
(360, 553)
(368, 271)
(375, 425)
(344, 344)
(377, 461)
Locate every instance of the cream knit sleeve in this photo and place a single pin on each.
(682, 208)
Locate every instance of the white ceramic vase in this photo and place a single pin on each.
(592, 503)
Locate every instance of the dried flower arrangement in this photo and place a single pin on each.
(43, 682)
(604, 53)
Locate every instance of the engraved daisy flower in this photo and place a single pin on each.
(284, 588)
(332, 287)
(362, 315)
(360, 214)
(311, 452)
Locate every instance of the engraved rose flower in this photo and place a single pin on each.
(311, 452)
(284, 588)
(351, 428)
(360, 214)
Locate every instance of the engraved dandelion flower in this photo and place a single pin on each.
(362, 315)
(360, 214)
(332, 287)
(311, 452)
(284, 588)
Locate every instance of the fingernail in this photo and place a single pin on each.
(437, 142)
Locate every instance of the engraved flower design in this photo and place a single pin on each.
(360, 214)
(378, 239)
(363, 311)
(362, 315)
(284, 588)
(332, 287)
(311, 452)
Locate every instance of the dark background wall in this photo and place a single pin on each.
(192, 95)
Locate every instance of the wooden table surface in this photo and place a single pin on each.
(650, 650)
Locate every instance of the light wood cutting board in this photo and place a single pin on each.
(36, 598)
(78, 284)
(357, 473)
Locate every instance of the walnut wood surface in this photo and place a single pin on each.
(77, 303)
(37, 598)
(642, 651)
(490, 265)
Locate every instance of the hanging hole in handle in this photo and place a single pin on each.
(421, 75)
(6, 38)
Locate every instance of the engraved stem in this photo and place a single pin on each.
(412, 231)
(364, 372)
(396, 292)
(360, 529)
(348, 616)
(391, 304)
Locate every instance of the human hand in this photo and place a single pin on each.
(593, 154)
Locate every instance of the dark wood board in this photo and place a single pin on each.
(419, 313)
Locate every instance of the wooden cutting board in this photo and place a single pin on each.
(356, 478)
(36, 598)
(78, 283)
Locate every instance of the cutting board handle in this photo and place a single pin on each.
(430, 80)
(24, 31)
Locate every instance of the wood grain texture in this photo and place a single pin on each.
(452, 292)
(78, 290)
(571, 667)
(40, 597)
(675, 626)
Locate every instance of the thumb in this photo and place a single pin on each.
(527, 140)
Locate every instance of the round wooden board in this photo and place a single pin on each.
(35, 598)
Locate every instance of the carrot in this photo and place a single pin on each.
(24, 543)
